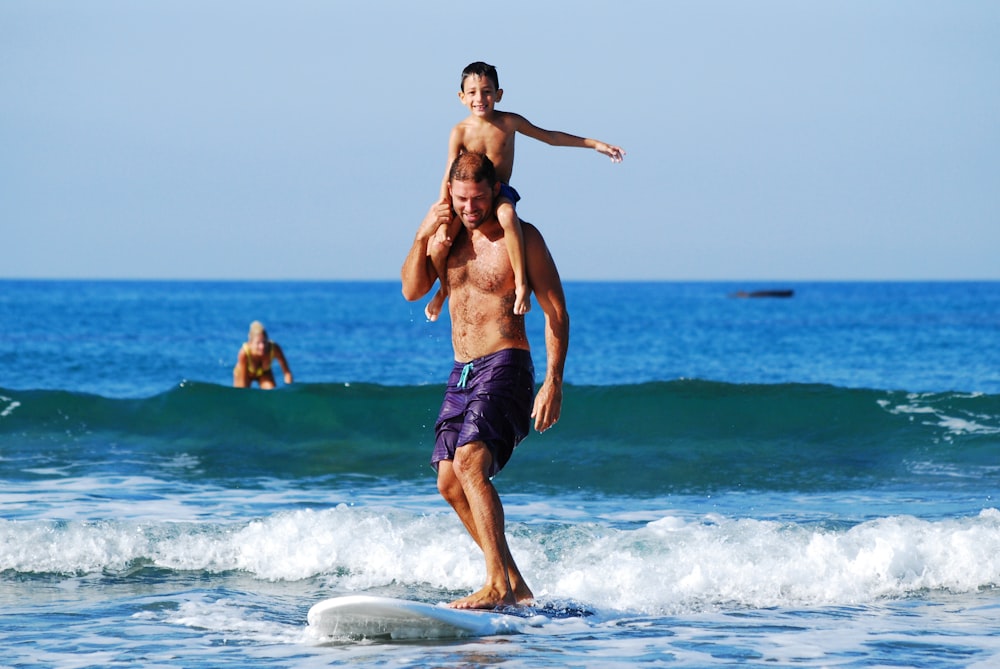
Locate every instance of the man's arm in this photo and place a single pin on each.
(559, 138)
(418, 273)
(545, 282)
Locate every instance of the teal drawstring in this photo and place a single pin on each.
(465, 375)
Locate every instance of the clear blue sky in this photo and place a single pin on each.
(306, 139)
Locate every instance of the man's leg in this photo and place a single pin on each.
(465, 484)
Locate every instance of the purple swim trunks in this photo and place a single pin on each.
(487, 400)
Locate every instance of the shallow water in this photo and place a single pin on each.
(807, 482)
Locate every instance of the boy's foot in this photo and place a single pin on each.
(433, 308)
(522, 301)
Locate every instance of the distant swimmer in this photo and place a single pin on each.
(253, 362)
(492, 132)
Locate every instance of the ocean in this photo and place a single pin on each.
(769, 482)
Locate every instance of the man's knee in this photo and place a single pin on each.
(447, 484)
(472, 460)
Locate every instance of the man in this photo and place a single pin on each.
(488, 404)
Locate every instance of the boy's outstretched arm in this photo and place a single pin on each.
(559, 138)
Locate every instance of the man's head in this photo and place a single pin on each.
(471, 166)
(472, 182)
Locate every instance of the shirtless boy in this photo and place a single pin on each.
(491, 133)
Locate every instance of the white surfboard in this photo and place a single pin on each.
(371, 617)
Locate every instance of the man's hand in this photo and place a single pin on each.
(548, 405)
(418, 275)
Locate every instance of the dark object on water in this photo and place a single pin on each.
(764, 293)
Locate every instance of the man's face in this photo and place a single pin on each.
(472, 201)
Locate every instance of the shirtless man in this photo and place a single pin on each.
(488, 404)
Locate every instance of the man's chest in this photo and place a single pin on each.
(482, 265)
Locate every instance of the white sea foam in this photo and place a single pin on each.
(918, 405)
(668, 565)
(9, 404)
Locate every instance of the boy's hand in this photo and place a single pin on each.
(439, 215)
(616, 153)
(441, 236)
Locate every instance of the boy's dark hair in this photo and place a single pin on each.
(479, 68)
(474, 167)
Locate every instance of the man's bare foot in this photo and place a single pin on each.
(522, 301)
(523, 596)
(487, 598)
(433, 308)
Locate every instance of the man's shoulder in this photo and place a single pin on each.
(529, 228)
(531, 234)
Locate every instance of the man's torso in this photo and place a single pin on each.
(481, 293)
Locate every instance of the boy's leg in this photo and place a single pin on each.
(439, 249)
(514, 240)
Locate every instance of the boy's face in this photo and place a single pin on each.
(479, 95)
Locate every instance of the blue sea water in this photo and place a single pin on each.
(801, 482)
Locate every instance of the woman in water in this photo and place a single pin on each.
(253, 363)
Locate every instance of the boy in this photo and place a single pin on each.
(491, 133)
